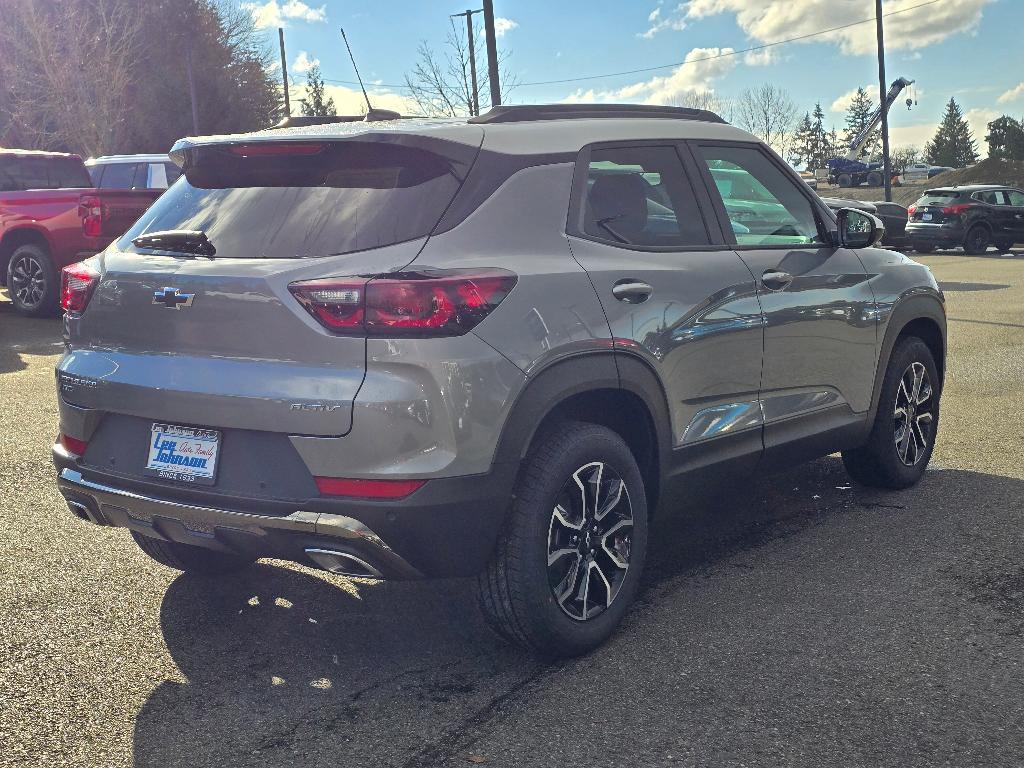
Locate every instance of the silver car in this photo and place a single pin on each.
(482, 347)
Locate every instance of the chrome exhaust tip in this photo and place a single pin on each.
(343, 564)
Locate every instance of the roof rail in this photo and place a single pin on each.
(526, 112)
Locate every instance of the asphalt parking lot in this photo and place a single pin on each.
(792, 620)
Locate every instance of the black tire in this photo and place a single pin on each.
(845, 180)
(874, 179)
(184, 557)
(976, 240)
(878, 463)
(1003, 246)
(517, 589)
(923, 247)
(32, 281)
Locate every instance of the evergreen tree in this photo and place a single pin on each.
(801, 147)
(813, 146)
(857, 118)
(953, 144)
(316, 103)
(1006, 138)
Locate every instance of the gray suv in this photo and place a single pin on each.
(482, 347)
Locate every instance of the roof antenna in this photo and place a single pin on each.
(369, 107)
(372, 115)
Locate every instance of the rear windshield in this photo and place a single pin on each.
(21, 172)
(315, 199)
(938, 196)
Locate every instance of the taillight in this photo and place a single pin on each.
(911, 210)
(77, 282)
(423, 303)
(367, 489)
(955, 210)
(73, 445)
(90, 209)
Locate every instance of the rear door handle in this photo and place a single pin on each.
(774, 280)
(632, 291)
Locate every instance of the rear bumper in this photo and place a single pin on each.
(447, 528)
(935, 233)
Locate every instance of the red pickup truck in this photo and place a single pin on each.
(52, 216)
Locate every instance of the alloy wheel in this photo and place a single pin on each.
(28, 281)
(914, 414)
(589, 541)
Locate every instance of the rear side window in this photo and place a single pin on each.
(311, 199)
(1015, 197)
(172, 171)
(764, 205)
(20, 172)
(641, 196)
(120, 175)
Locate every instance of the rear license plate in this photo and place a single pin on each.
(186, 454)
(926, 217)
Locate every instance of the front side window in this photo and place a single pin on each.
(640, 196)
(1015, 197)
(764, 205)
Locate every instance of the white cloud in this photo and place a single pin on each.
(501, 26)
(761, 58)
(1012, 95)
(659, 22)
(706, 65)
(303, 63)
(771, 20)
(842, 103)
(275, 14)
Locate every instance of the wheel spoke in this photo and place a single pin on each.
(567, 586)
(918, 372)
(612, 501)
(562, 517)
(584, 591)
(612, 553)
(903, 442)
(609, 595)
(558, 554)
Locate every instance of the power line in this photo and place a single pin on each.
(720, 55)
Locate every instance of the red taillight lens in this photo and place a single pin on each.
(77, 282)
(911, 210)
(73, 445)
(424, 303)
(954, 210)
(90, 209)
(367, 489)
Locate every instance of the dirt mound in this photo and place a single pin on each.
(988, 171)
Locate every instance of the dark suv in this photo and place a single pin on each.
(484, 347)
(973, 217)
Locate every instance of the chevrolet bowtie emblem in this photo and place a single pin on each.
(172, 298)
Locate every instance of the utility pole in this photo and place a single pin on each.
(474, 106)
(492, 53)
(284, 73)
(191, 85)
(886, 165)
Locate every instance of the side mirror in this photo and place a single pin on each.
(857, 229)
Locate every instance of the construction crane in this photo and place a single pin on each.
(850, 170)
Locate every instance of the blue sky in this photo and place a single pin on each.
(969, 49)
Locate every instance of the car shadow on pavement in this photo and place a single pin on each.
(20, 336)
(286, 666)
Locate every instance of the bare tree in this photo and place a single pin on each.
(441, 84)
(709, 100)
(769, 113)
(68, 67)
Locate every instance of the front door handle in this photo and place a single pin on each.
(774, 280)
(632, 291)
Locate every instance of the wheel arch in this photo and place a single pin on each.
(14, 239)
(613, 390)
(922, 315)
